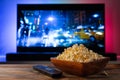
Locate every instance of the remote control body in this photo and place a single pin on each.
(47, 70)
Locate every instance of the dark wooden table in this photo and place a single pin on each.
(24, 71)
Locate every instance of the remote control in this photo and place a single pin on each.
(47, 70)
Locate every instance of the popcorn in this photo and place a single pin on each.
(79, 53)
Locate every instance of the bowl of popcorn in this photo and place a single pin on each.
(79, 60)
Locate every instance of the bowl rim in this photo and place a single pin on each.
(94, 61)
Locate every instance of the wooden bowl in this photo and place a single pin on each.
(80, 69)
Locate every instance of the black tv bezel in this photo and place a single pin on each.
(56, 7)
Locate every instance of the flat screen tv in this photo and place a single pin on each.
(54, 27)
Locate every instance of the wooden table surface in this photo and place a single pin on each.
(25, 72)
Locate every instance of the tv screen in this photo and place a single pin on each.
(53, 27)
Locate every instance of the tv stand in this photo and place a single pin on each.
(30, 56)
(42, 56)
